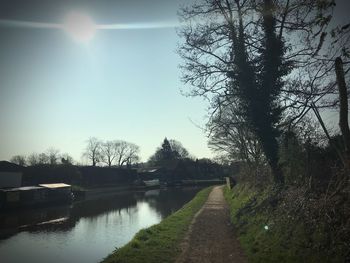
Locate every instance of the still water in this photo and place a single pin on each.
(85, 231)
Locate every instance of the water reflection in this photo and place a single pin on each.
(85, 231)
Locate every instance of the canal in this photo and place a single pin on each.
(87, 230)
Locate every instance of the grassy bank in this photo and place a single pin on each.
(160, 243)
(272, 229)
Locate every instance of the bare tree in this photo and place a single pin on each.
(93, 150)
(43, 158)
(38, 159)
(315, 41)
(121, 149)
(236, 51)
(263, 53)
(53, 155)
(19, 159)
(33, 159)
(109, 152)
(230, 135)
(126, 153)
(132, 154)
(343, 114)
(177, 147)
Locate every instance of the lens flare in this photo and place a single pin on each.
(82, 28)
(79, 26)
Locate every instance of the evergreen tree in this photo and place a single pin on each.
(169, 150)
(166, 151)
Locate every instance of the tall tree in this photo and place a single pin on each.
(93, 150)
(43, 158)
(166, 151)
(109, 152)
(178, 149)
(266, 110)
(234, 51)
(33, 159)
(132, 154)
(124, 153)
(343, 111)
(121, 150)
(53, 155)
(230, 136)
(169, 150)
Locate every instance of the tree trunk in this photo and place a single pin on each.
(277, 174)
(343, 112)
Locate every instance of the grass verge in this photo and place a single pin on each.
(161, 242)
(272, 233)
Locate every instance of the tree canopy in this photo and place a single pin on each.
(258, 58)
(169, 150)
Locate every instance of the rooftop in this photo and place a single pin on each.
(24, 188)
(6, 166)
(58, 185)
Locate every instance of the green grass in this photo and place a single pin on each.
(260, 244)
(285, 240)
(161, 242)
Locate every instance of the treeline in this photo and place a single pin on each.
(175, 164)
(52, 156)
(117, 152)
(117, 163)
(111, 153)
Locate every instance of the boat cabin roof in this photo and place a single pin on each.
(53, 186)
(23, 188)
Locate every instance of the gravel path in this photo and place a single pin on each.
(211, 237)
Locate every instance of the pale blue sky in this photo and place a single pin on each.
(123, 84)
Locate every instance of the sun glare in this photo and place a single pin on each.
(79, 26)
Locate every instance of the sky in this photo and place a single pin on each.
(57, 90)
(122, 84)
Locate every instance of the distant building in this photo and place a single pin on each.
(10, 175)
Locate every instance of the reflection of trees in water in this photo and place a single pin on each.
(91, 210)
(17, 218)
(163, 202)
(170, 200)
(95, 207)
(32, 219)
(15, 221)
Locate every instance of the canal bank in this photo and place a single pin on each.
(161, 242)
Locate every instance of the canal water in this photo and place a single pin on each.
(87, 230)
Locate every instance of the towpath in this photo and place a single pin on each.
(211, 237)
